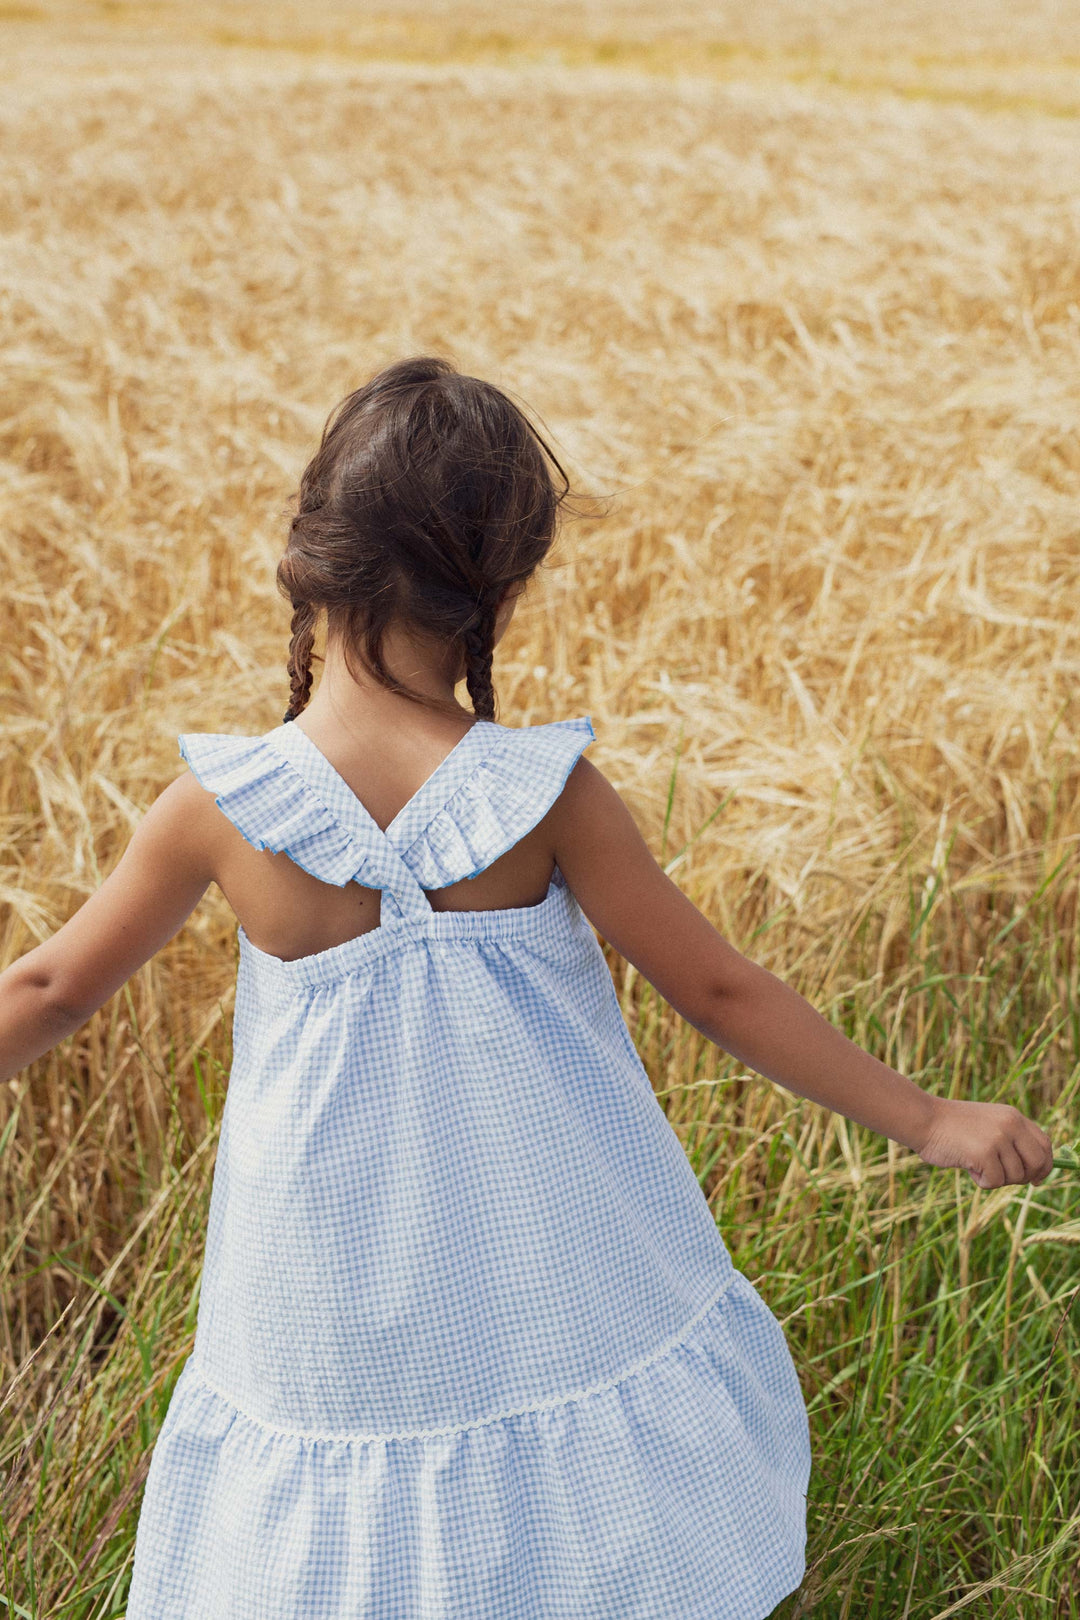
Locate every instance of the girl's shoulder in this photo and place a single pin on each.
(630, 899)
(538, 751)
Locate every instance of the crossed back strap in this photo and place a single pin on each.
(382, 866)
(283, 794)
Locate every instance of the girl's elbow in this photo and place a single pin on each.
(742, 983)
(45, 994)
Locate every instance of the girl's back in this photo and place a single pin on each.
(468, 1337)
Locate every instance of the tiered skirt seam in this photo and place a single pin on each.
(551, 1404)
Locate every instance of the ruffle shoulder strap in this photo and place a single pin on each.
(268, 800)
(500, 800)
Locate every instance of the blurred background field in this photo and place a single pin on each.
(798, 287)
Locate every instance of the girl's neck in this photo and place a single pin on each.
(364, 706)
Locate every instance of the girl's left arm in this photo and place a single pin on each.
(154, 887)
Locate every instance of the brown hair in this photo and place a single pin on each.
(430, 496)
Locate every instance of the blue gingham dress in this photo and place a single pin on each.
(469, 1343)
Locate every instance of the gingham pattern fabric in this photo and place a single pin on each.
(469, 1345)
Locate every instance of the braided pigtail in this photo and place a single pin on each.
(304, 619)
(479, 654)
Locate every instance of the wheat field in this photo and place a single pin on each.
(797, 292)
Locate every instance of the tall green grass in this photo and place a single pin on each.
(935, 1326)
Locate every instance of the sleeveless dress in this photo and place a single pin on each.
(469, 1344)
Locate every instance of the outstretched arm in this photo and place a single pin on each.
(153, 889)
(763, 1022)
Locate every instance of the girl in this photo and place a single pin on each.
(469, 1345)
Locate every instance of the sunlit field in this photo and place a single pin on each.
(798, 294)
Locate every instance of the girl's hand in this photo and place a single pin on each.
(995, 1143)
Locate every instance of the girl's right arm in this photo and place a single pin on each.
(158, 881)
(749, 1012)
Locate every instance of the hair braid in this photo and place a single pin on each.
(479, 653)
(304, 619)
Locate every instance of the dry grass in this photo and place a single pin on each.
(824, 348)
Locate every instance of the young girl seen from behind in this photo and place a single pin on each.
(470, 1345)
